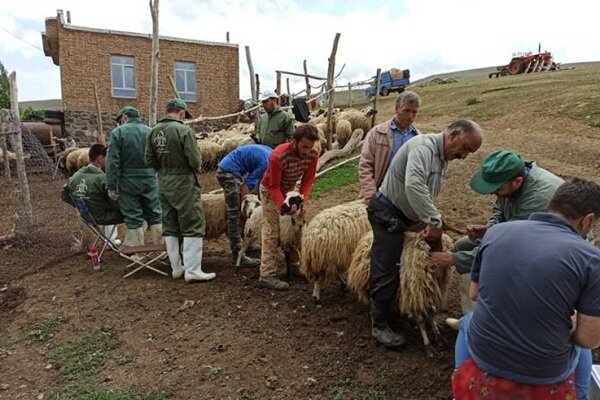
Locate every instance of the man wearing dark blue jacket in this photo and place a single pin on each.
(239, 173)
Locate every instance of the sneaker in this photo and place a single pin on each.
(248, 262)
(272, 283)
(387, 337)
(453, 323)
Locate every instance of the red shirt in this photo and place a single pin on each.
(284, 170)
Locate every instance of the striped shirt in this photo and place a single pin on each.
(284, 170)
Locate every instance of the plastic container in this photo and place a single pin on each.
(95, 258)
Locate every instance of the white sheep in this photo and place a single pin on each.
(211, 153)
(343, 131)
(215, 213)
(359, 119)
(328, 242)
(423, 286)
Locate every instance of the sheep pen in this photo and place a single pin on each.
(423, 286)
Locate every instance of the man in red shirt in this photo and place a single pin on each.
(288, 163)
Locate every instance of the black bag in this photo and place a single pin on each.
(300, 109)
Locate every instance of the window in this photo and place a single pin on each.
(185, 80)
(123, 76)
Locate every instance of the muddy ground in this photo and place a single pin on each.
(228, 339)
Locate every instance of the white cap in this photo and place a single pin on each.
(267, 94)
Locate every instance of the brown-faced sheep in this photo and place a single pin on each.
(71, 157)
(328, 241)
(423, 286)
(343, 131)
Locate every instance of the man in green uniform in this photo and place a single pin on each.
(89, 184)
(172, 151)
(130, 181)
(521, 188)
(276, 126)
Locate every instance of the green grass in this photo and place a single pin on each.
(44, 330)
(336, 178)
(353, 390)
(83, 357)
(91, 392)
(126, 358)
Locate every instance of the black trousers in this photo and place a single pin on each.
(388, 224)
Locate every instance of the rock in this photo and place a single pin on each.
(271, 381)
(49, 366)
(4, 386)
(40, 396)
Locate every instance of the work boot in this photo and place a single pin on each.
(111, 232)
(157, 238)
(172, 243)
(454, 323)
(246, 262)
(134, 237)
(387, 337)
(269, 282)
(192, 261)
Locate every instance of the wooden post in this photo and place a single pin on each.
(257, 85)
(349, 95)
(278, 89)
(5, 155)
(154, 64)
(26, 218)
(257, 119)
(307, 81)
(376, 99)
(330, 84)
(289, 92)
(173, 86)
(252, 77)
(100, 135)
(227, 37)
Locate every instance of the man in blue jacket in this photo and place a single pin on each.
(239, 173)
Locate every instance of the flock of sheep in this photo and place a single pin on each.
(336, 244)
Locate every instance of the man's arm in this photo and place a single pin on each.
(254, 177)
(418, 168)
(275, 181)
(475, 271)
(366, 168)
(587, 332)
(308, 178)
(65, 194)
(497, 214)
(190, 149)
(289, 128)
(114, 161)
(149, 154)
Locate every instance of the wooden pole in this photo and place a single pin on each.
(257, 119)
(154, 64)
(5, 155)
(307, 80)
(289, 92)
(257, 84)
(227, 37)
(252, 77)
(278, 90)
(302, 75)
(330, 84)
(376, 99)
(349, 95)
(173, 86)
(26, 218)
(100, 135)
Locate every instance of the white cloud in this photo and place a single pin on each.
(426, 36)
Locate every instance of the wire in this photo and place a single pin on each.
(21, 39)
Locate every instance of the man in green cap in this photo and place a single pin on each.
(275, 126)
(521, 188)
(172, 150)
(130, 181)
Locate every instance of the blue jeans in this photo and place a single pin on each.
(583, 369)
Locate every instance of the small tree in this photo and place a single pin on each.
(29, 114)
(4, 88)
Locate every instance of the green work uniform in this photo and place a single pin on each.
(172, 150)
(89, 184)
(275, 128)
(534, 196)
(128, 174)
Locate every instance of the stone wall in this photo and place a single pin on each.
(83, 125)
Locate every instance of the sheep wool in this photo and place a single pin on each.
(343, 131)
(215, 215)
(210, 152)
(329, 240)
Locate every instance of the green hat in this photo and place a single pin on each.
(129, 110)
(178, 103)
(496, 168)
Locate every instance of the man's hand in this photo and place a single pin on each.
(113, 195)
(441, 259)
(476, 231)
(433, 234)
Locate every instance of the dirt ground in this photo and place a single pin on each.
(236, 341)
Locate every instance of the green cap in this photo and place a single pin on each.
(496, 168)
(129, 110)
(178, 103)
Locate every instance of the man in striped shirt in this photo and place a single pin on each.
(288, 163)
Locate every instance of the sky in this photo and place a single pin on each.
(425, 36)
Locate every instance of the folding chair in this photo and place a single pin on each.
(146, 255)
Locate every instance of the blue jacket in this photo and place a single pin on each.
(248, 163)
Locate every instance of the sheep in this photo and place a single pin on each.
(211, 154)
(290, 231)
(343, 131)
(358, 118)
(423, 286)
(215, 213)
(328, 242)
(83, 159)
(234, 141)
(70, 159)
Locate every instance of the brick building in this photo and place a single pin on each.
(206, 74)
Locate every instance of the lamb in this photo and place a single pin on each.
(215, 212)
(290, 231)
(328, 242)
(358, 118)
(423, 286)
(343, 131)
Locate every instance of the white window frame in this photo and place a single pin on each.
(123, 67)
(186, 94)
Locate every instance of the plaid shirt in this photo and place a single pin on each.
(284, 170)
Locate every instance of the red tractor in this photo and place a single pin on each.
(527, 63)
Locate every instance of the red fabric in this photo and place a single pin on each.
(469, 382)
(284, 170)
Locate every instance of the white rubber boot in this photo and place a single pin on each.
(172, 243)
(111, 232)
(134, 237)
(192, 260)
(464, 283)
(156, 232)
